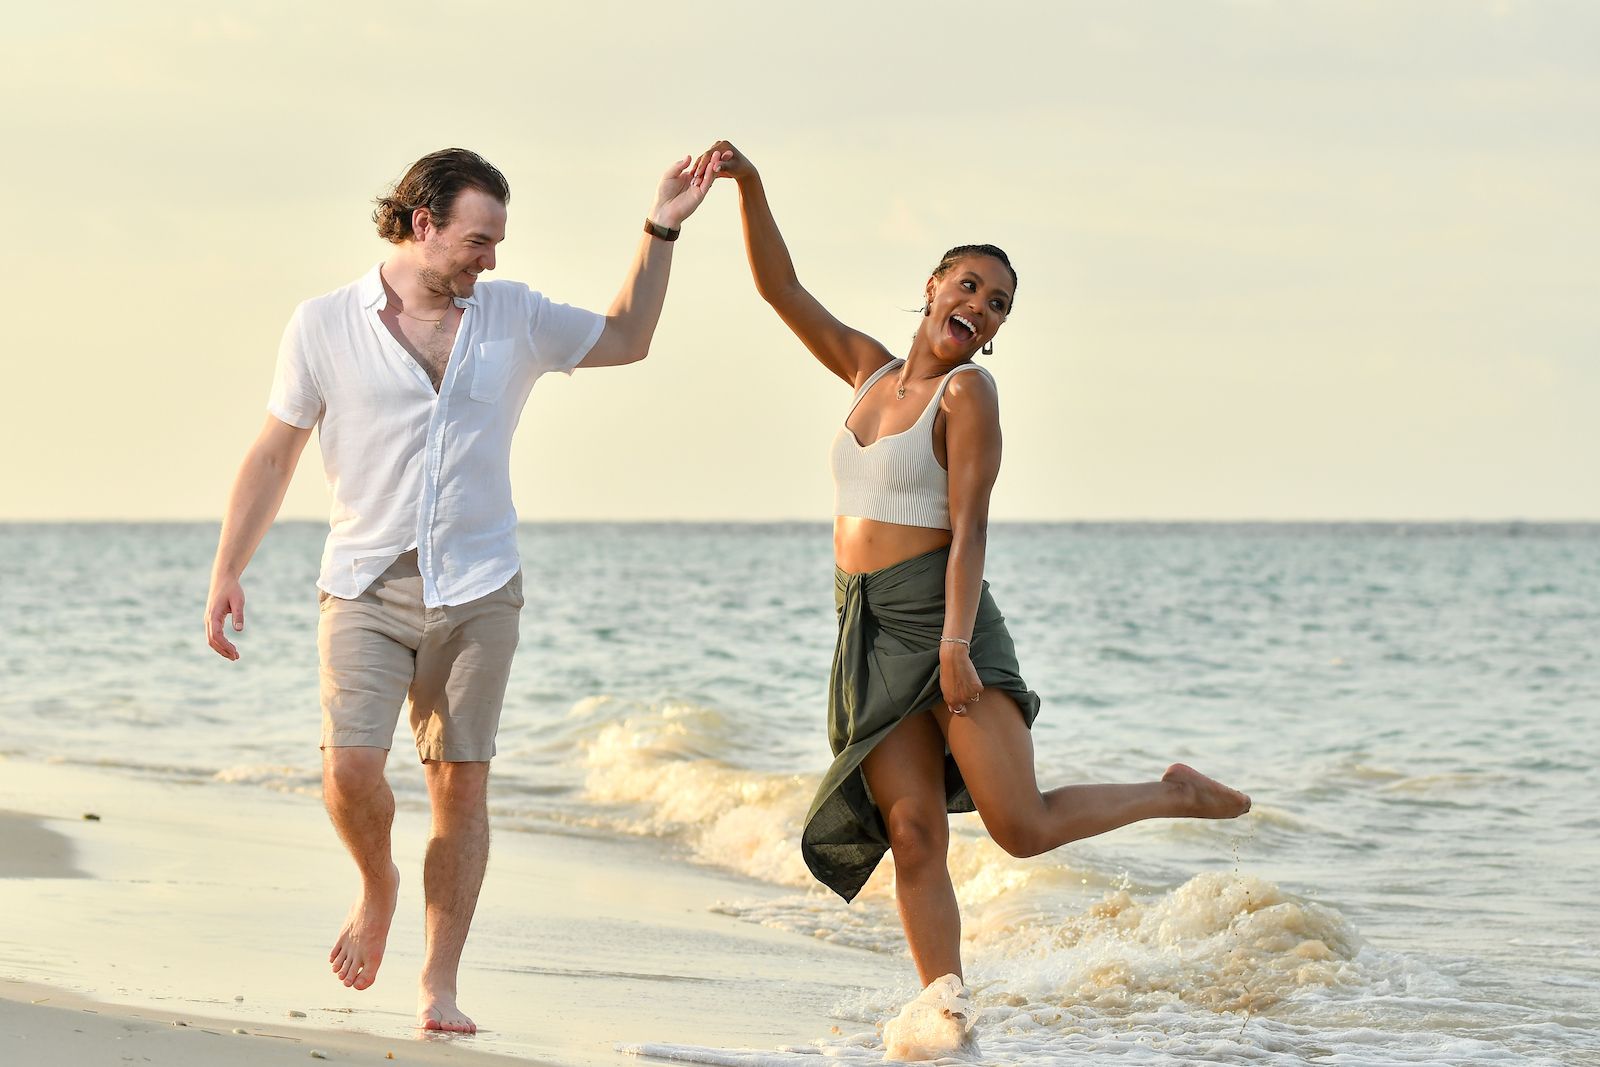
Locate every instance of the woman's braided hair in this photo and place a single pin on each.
(960, 252)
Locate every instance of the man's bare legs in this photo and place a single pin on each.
(452, 875)
(994, 749)
(906, 775)
(361, 806)
(362, 809)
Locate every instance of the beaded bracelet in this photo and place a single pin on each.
(955, 641)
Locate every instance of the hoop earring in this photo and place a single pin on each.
(988, 348)
(926, 310)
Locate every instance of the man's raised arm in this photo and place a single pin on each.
(631, 322)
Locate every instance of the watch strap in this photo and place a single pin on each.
(655, 229)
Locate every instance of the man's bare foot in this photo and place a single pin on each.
(359, 949)
(438, 1011)
(1205, 798)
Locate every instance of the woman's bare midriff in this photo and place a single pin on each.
(861, 545)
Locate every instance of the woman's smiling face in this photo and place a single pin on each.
(968, 304)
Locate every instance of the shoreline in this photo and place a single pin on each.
(42, 1025)
(214, 904)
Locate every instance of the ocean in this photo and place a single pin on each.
(1415, 710)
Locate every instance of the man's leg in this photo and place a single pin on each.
(452, 875)
(463, 665)
(366, 650)
(362, 809)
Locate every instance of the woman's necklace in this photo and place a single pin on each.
(900, 386)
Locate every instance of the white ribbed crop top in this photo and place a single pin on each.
(897, 478)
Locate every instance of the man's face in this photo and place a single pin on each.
(453, 256)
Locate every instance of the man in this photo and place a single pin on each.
(417, 375)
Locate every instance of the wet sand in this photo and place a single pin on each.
(215, 905)
(41, 1025)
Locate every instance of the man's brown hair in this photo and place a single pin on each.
(434, 182)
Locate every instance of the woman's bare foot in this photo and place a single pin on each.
(359, 949)
(436, 1010)
(1205, 798)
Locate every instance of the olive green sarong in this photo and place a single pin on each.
(885, 668)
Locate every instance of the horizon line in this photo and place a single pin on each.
(707, 521)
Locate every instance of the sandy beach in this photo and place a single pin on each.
(42, 1025)
(184, 915)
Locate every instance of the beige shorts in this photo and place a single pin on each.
(452, 663)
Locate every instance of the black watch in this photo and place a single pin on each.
(655, 229)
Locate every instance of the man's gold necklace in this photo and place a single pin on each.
(438, 323)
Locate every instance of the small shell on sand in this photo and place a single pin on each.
(318, 1055)
(296, 1014)
(240, 1030)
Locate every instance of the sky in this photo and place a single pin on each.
(1276, 261)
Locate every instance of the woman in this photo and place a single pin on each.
(927, 711)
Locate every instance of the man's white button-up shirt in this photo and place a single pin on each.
(409, 468)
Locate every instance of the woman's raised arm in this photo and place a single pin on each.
(847, 352)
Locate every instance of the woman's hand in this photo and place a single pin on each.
(683, 187)
(734, 164)
(958, 678)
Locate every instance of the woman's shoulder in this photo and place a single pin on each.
(959, 383)
(974, 393)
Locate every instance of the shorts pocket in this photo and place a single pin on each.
(491, 364)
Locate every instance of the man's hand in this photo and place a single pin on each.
(683, 187)
(226, 598)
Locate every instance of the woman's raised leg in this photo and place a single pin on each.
(994, 750)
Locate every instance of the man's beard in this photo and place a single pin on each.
(435, 282)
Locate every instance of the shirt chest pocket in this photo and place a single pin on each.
(491, 368)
